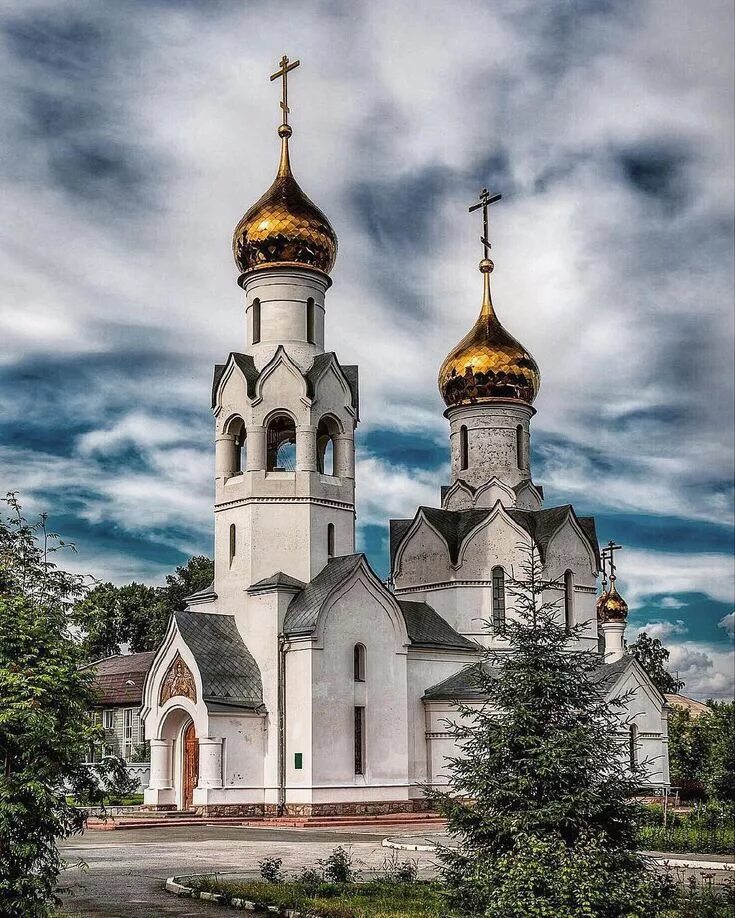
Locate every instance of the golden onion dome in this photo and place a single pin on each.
(284, 227)
(611, 607)
(488, 363)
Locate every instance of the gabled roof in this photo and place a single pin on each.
(119, 680)
(303, 610)
(206, 593)
(246, 364)
(463, 684)
(427, 628)
(454, 525)
(228, 670)
(277, 581)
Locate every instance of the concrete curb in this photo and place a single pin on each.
(406, 846)
(176, 888)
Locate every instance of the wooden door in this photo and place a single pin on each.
(191, 765)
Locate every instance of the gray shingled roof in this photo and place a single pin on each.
(228, 670)
(277, 581)
(427, 628)
(303, 610)
(454, 525)
(463, 684)
(206, 592)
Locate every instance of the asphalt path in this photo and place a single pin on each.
(122, 873)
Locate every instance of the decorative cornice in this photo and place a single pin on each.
(320, 501)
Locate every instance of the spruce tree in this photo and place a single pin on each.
(540, 798)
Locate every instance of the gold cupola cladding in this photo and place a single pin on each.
(488, 363)
(284, 227)
(611, 607)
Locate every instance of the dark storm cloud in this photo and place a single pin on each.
(657, 171)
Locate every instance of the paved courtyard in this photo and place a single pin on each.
(126, 870)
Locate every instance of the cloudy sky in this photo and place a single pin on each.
(136, 133)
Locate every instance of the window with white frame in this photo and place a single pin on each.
(129, 731)
(108, 719)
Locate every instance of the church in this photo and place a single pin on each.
(299, 683)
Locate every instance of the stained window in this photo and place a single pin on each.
(359, 741)
(255, 309)
(281, 444)
(310, 320)
(463, 448)
(498, 581)
(358, 659)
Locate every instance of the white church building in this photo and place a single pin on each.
(299, 683)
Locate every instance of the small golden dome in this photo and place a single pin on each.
(488, 362)
(611, 607)
(284, 226)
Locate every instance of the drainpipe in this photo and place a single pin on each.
(283, 647)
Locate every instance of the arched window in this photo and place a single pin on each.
(238, 458)
(521, 448)
(330, 540)
(325, 434)
(281, 444)
(498, 580)
(255, 338)
(633, 747)
(310, 320)
(358, 659)
(233, 542)
(464, 451)
(569, 600)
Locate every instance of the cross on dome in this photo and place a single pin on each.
(282, 74)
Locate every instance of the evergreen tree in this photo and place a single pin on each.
(652, 655)
(539, 801)
(45, 727)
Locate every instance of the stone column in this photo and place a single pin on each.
(613, 637)
(210, 762)
(256, 458)
(344, 456)
(306, 449)
(161, 764)
(224, 456)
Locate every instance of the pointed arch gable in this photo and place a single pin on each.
(495, 482)
(529, 488)
(418, 521)
(281, 359)
(328, 365)
(497, 511)
(363, 575)
(460, 487)
(571, 520)
(241, 364)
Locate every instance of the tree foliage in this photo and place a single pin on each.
(702, 751)
(652, 655)
(540, 799)
(45, 727)
(136, 615)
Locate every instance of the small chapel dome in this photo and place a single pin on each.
(488, 363)
(284, 227)
(611, 607)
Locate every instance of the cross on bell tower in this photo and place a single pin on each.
(486, 199)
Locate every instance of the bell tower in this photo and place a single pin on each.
(488, 382)
(285, 409)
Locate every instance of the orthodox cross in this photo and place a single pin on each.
(283, 74)
(608, 554)
(486, 199)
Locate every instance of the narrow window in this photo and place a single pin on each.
(233, 542)
(520, 448)
(498, 579)
(108, 719)
(633, 747)
(127, 733)
(281, 444)
(569, 600)
(310, 318)
(359, 741)
(463, 448)
(330, 540)
(359, 662)
(256, 321)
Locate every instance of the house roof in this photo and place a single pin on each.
(228, 670)
(695, 708)
(277, 581)
(303, 610)
(428, 629)
(454, 525)
(119, 680)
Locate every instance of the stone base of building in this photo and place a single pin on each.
(307, 810)
(158, 808)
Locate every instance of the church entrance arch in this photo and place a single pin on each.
(190, 770)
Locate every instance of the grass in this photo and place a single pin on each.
(376, 899)
(687, 838)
